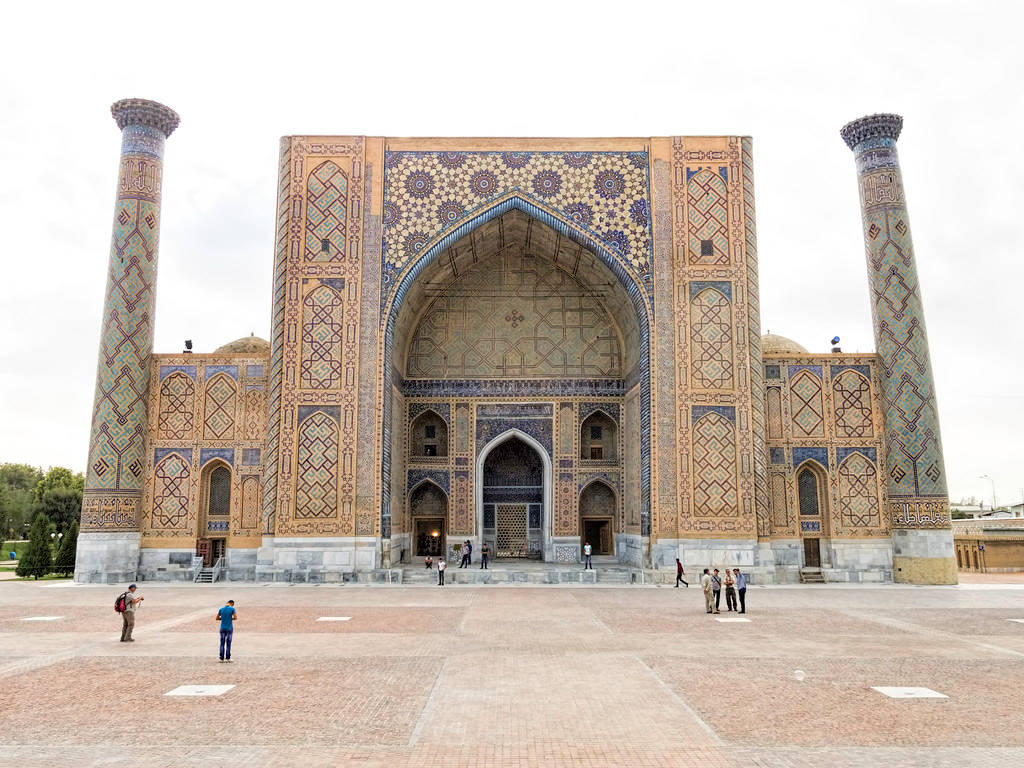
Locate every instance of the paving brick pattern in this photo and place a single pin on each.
(507, 677)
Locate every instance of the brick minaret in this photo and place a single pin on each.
(915, 473)
(108, 547)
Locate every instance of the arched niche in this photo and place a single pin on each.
(428, 506)
(599, 436)
(215, 505)
(428, 436)
(813, 511)
(598, 511)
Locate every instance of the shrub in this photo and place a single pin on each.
(65, 560)
(37, 559)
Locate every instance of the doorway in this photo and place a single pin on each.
(429, 536)
(598, 531)
(812, 553)
(512, 480)
(510, 530)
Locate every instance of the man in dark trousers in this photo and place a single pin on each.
(679, 574)
(226, 616)
(442, 566)
(741, 589)
(716, 587)
(484, 552)
(467, 554)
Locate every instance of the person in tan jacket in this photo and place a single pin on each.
(705, 584)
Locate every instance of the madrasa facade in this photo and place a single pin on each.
(529, 343)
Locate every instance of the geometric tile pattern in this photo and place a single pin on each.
(852, 403)
(170, 495)
(915, 474)
(711, 340)
(806, 403)
(322, 330)
(177, 407)
(515, 317)
(316, 487)
(709, 218)
(250, 517)
(858, 492)
(255, 415)
(774, 397)
(714, 466)
(219, 410)
(326, 207)
(114, 471)
(605, 194)
(780, 507)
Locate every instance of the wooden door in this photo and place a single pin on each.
(203, 551)
(812, 553)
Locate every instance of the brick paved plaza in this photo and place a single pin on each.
(514, 676)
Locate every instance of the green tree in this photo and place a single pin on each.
(37, 559)
(65, 560)
(58, 477)
(17, 502)
(62, 505)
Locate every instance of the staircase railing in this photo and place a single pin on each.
(197, 568)
(217, 568)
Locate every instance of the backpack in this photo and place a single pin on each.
(121, 603)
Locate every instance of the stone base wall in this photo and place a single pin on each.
(923, 557)
(313, 559)
(107, 558)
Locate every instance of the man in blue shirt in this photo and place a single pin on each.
(227, 616)
(741, 588)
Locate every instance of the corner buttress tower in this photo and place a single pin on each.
(108, 547)
(915, 472)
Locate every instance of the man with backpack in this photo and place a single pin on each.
(125, 605)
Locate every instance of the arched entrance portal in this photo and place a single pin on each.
(598, 511)
(512, 498)
(812, 495)
(521, 330)
(428, 506)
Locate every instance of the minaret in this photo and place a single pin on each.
(108, 547)
(914, 472)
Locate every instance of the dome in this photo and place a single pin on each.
(773, 344)
(247, 345)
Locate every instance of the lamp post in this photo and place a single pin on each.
(987, 477)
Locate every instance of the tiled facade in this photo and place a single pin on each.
(593, 301)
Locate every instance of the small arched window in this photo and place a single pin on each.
(598, 439)
(220, 491)
(807, 487)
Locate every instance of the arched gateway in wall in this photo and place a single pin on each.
(514, 330)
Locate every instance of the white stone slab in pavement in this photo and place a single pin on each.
(1019, 621)
(334, 618)
(908, 692)
(731, 620)
(42, 618)
(200, 690)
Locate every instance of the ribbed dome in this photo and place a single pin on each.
(773, 344)
(247, 345)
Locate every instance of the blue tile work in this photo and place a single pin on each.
(810, 526)
(727, 411)
(514, 410)
(230, 370)
(606, 196)
(606, 477)
(792, 370)
(724, 288)
(160, 453)
(611, 409)
(535, 515)
(820, 455)
(772, 372)
(723, 171)
(251, 457)
(333, 411)
(254, 371)
(777, 455)
(439, 477)
(863, 370)
(488, 515)
(538, 429)
(511, 387)
(167, 370)
(217, 525)
(441, 409)
(843, 451)
(206, 454)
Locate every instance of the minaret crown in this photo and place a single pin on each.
(880, 126)
(145, 112)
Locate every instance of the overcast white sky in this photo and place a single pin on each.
(789, 74)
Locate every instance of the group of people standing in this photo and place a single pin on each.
(733, 582)
(127, 603)
(466, 550)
